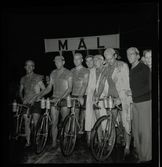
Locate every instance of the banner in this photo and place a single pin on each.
(82, 43)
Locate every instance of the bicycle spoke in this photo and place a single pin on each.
(68, 136)
(41, 135)
(103, 134)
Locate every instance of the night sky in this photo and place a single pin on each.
(26, 29)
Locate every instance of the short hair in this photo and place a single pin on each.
(98, 56)
(58, 57)
(146, 51)
(133, 49)
(78, 54)
(89, 56)
(30, 61)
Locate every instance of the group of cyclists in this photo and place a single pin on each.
(105, 76)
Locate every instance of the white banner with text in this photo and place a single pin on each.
(82, 43)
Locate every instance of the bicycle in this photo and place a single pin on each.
(42, 128)
(71, 129)
(18, 126)
(103, 135)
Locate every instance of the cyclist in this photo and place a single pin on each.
(101, 87)
(30, 85)
(80, 82)
(61, 81)
(117, 77)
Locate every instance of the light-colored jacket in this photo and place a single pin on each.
(121, 78)
(89, 113)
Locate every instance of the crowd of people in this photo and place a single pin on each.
(104, 75)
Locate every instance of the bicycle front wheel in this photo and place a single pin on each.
(68, 135)
(103, 137)
(41, 134)
(13, 135)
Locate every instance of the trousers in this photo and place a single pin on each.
(142, 129)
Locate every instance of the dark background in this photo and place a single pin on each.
(24, 31)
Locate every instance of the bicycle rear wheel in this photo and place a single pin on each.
(13, 135)
(68, 135)
(41, 134)
(103, 137)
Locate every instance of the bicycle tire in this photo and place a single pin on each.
(100, 147)
(13, 134)
(41, 135)
(68, 135)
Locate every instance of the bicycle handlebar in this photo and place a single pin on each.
(22, 105)
(101, 99)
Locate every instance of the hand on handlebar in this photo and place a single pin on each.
(117, 101)
(24, 101)
(32, 100)
(54, 100)
(95, 99)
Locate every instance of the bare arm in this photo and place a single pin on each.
(101, 88)
(21, 92)
(37, 88)
(84, 86)
(45, 90)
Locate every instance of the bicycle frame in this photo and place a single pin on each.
(73, 112)
(103, 134)
(113, 119)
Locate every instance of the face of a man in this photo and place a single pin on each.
(98, 62)
(148, 58)
(89, 62)
(59, 64)
(77, 60)
(110, 59)
(29, 66)
(132, 56)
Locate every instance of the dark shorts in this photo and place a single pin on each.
(62, 103)
(77, 105)
(36, 108)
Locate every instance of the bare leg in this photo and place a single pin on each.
(88, 137)
(82, 119)
(54, 116)
(35, 119)
(128, 140)
(27, 127)
(64, 112)
(97, 114)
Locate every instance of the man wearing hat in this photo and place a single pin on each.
(101, 86)
(61, 80)
(117, 76)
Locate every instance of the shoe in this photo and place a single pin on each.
(88, 147)
(126, 154)
(81, 132)
(145, 162)
(27, 145)
(109, 147)
(54, 148)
